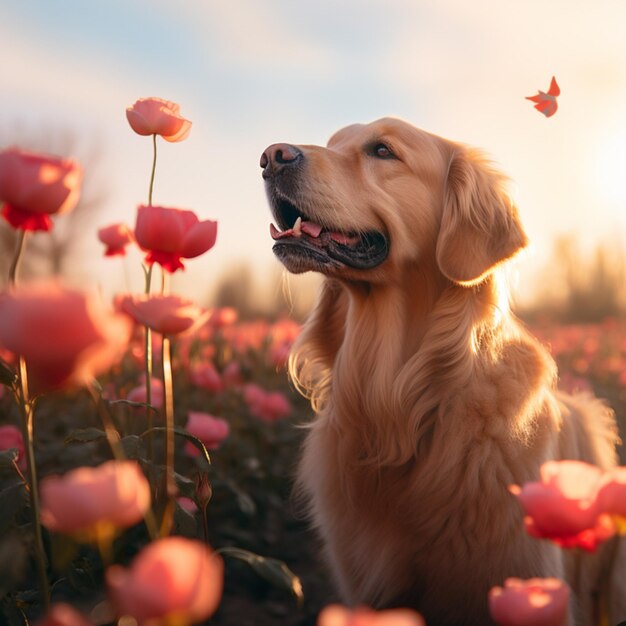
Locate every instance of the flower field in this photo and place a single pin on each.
(147, 447)
(591, 357)
(219, 370)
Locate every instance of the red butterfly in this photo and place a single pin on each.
(546, 102)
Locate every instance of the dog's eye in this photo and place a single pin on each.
(382, 151)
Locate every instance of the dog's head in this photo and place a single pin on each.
(385, 196)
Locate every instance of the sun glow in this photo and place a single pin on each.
(610, 168)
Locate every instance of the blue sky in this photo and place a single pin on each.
(252, 72)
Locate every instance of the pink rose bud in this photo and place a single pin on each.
(35, 186)
(210, 430)
(93, 502)
(204, 491)
(115, 237)
(64, 615)
(172, 580)
(169, 235)
(65, 336)
(168, 315)
(154, 116)
(564, 507)
(336, 615)
(11, 437)
(534, 602)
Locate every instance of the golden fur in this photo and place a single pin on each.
(430, 397)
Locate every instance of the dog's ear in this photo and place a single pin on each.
(480, 227)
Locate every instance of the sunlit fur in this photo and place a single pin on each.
(430, 397)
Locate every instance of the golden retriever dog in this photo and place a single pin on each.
(430, 397)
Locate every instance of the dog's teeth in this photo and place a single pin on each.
(297, 228)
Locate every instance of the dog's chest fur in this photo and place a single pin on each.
(419, 532)
(426, 524)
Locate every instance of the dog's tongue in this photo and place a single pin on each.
(310, 228)
(313, 230)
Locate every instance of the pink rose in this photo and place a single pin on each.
(65, 336)
(115, 237)
(168, 315)
(205, 376)
(267, 406)
(35, 186)
(279, 355)
(224, 316)
(187, 504)
(232, 375)
(564, 507)
(612, 495)
(154, 116)
(169, 235)
(172, 580)
(138, 394)
(336, 615)
(534, 602)
(11, 437)
(93, 502)
(210, 430)
(64, 615)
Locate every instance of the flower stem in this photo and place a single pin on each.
(26, 408)
(117, 449)
(604, 597)
(154, 160)
(112, 435)
(16, 257)
(148, 367)
(168, 393)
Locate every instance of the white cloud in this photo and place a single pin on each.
(250, 34)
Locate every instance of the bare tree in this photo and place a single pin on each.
(579, 287)
(275, 294)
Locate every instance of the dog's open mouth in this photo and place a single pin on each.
(304, 237)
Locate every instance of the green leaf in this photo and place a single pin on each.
(186, 486)
(82, 577)
(272, 570)
(85, 435)
(8, 457)
(12, 615)
(14, 558)
(133, 447)
(63, 550)
(185, 523)
(7, 376)
(12, 500)
(135, 405)
(245, 502)
(182, 433)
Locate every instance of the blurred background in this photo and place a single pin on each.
(251, 73)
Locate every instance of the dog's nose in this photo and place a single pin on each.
(279, 156)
